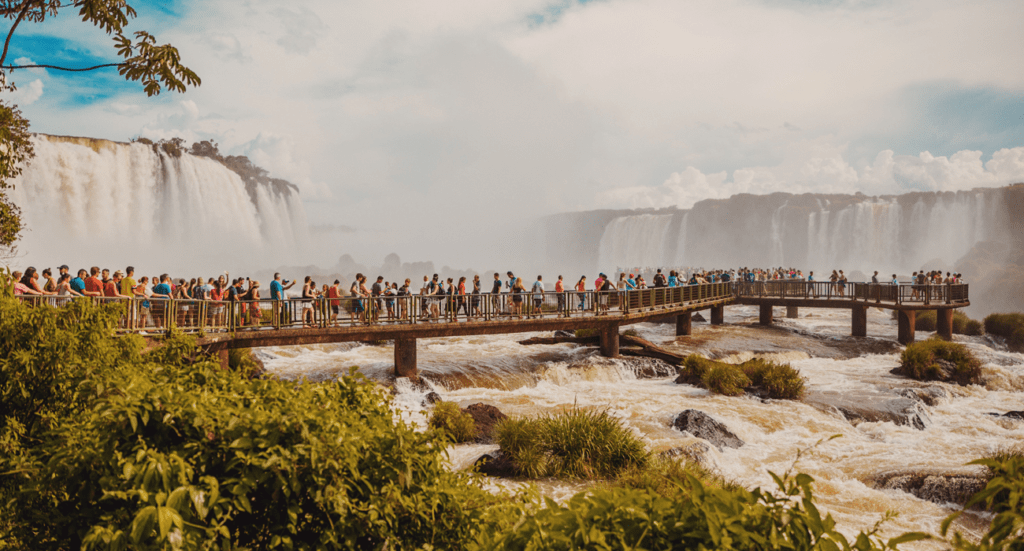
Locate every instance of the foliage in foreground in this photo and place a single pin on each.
(1008, 326)
(1004, 496)
(777, 381)
(455, 424)
(107, 449)
(577, 443)
(938, 360)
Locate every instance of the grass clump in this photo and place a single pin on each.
(587, 333)
(938, 360)
(1008, 326)
(769, 379)
(577, 443)
(670, 477)
(454, 423)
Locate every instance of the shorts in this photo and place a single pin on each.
(358, 306)
(334, 309)
(537, 302)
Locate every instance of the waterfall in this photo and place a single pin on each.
(635, 241)
(88, 202)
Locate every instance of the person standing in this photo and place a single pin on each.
(560, 293)
(93, 285)
(277, 289)
(538, 297)
(476, 296)
(581, 291)
(496, 294)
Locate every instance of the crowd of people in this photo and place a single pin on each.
(215, 300)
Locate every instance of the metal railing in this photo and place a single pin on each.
(146, 315)
(904, 293)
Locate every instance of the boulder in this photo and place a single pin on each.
(930, 395)
(936, 487)
(859, 407)
(704, 426)
(485, 416)
(495, 464)
(1018, 415)
(695, 452)
(431, 398)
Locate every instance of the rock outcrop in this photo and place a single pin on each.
(485, 416)
(936, 487)
(704, 426)
(860, 407)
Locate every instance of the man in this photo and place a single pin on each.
(659, 280)
(496, 294)
(424, 291)
(538, 296)
(333, 294)
(128, 281)
(510, 285)
(161, 290)
(63, 271)
(630, 283)
(277, 289)
(874, 278)
(93, 284)
(376, 290)
(560, 290)
(357, 299)
(78, 283)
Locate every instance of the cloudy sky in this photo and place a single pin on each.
(414, 114)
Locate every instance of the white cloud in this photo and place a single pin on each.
(276, 155)
(25, 95)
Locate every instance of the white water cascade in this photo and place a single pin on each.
(89, 202)
(635, 241)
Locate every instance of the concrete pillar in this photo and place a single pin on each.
(405, 357)
(766, 314)
(718, 315)
(860, 321)
(944, 323)
(224, 356)
(906, 320)
(792, 312)
(684, 324)
(610, 340)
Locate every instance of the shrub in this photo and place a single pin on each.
(578, 443)
(457, 425)
(1004, 496)
(670, 477)
(693, 369)
(1008, 326)
(725, 379)
(587, 333)
(779, 381)
(938, 360)
(241, 360)
(927, 320)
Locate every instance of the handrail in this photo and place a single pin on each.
(877, 293)
(155, 315)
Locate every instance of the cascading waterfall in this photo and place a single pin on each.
(635, 241)
(91, 202)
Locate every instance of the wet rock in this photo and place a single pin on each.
(1018, 415)
(935, 487)
(860, 407)
(930, 395)
(496, 463)
(431, 398)
(695, 452)
(648, 368)
(564, 334)
(704, 426)
(485, 416)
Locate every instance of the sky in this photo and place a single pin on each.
(450, 122)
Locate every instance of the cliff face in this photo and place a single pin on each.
(891, 234)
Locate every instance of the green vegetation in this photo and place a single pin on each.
(104, 447)
(587, 333)
(578, 443)
(457, 425)
(777, 381)
(243, 362)
(938, 360)
(927, 320)
(1008, 326)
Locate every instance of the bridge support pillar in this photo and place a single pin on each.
(405, 357)
(906, 320)
(610, 340)
(766, 314)
(718, 314)
(860, 321)
(224, 356)
(944, 323)
(684, 324)
(792, 312)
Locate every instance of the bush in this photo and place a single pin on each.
(779, 381)
(104, 448)
(938, 360)
(693, 369)
(1004, 496)
(457, 425)
(587, 333)
(725, 379)
(578, 443)
(927, 320)
(670, 477)
(1008, 326)
(241, 360)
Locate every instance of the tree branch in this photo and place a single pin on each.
(7, 43)
(61, 68)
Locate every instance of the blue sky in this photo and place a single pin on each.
(574, 105)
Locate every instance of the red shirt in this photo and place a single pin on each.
(462, 288)
(333, 292)
(109, 288)
(94, 285)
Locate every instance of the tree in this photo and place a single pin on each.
(158, 67)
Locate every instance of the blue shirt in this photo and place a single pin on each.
(672, 282)
(78, 285)
(162, 289)
(276, 290)
(632, 283)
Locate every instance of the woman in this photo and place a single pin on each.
(308, 294)
(50, 285)
(440, 296)
(461, 292)
(404, 295)
(833, 279)
(842, 284)
(217, 306)
(390, 291)
(253, 295)
(581, 290)
(673, 279)
(517, 297)
(476, 296)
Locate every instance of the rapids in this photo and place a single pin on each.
(529, 380)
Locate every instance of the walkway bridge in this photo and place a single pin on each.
(221, 326)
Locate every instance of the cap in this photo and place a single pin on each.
(63, 267)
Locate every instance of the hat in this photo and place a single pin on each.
(63, 267)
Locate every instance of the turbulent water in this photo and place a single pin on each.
(529, 380)
(90, 202)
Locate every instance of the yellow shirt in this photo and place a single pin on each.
(127, 284)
